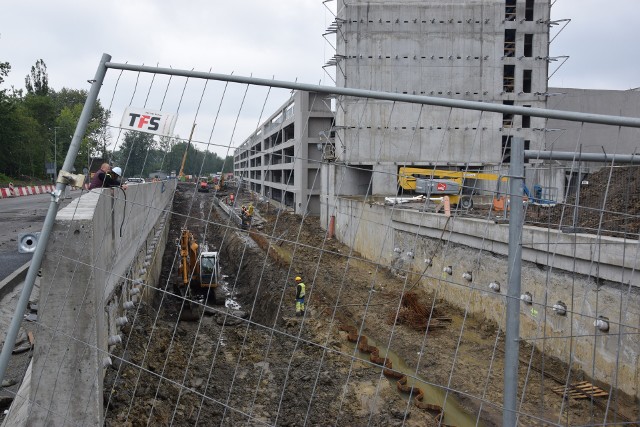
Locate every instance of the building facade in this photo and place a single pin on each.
(480, 50)
(281, 159)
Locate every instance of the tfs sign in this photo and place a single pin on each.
(144, 120)
(139, 121)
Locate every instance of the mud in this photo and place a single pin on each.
(608, 205)
(262, 365)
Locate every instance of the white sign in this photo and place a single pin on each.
(144, 120)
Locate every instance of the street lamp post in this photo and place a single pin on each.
(55, 153)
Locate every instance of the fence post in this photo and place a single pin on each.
(512, 323)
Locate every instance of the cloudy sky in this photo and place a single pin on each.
(279, 39)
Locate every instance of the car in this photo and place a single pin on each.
(135, 181)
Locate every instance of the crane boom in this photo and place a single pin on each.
(184, 156)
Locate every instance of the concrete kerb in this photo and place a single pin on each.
(12, 280)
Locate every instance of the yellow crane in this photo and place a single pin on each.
(184, 156)
(437, 182)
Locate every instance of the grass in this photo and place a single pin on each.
(23, 180)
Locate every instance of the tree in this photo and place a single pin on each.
(68, 105)
(35, 126)
(37, 82)
(5, 67)
(228, 164)
(133, 157)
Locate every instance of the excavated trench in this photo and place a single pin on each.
(266, 368)
(250, 361)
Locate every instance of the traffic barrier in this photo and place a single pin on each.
(12, 191)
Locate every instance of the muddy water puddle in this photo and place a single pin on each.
(454, 414)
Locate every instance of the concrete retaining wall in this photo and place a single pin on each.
(556, 267)
(103, 245)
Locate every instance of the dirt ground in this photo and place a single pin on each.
(609, 205)
(253, 362)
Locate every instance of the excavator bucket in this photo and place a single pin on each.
(191, 309)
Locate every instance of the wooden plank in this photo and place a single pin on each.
(580, 390)
(601, 394)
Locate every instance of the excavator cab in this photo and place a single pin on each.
(209, 270)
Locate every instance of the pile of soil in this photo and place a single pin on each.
(259, 364)
(608, 205)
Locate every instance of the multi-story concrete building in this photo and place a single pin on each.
(482, 50)
(281, 159)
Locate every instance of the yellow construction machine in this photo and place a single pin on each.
(184, 156)
(199, 269)
(437, 182)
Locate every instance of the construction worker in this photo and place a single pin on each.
(243, 216)
(300, 290)
(107, 177)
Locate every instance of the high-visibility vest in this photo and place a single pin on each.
(301, 290)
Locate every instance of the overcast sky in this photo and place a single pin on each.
(279, 39)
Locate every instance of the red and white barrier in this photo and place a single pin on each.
(12, 191)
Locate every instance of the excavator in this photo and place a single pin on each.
(436, 182)
(199, 269)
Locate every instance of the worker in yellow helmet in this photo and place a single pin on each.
(300, 288)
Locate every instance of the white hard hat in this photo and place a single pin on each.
(117, 171)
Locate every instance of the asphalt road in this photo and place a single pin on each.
(21, 215)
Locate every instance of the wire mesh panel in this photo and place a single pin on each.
(305, 289)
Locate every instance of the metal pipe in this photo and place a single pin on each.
(585, 157)
(49, 220)
(388, 96)
(514, 277)
(579, 184)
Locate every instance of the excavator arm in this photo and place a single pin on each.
(188, 257)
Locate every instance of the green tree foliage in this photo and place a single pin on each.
(5, 67)
(68, 104)
(141, 154)
(228, 164)
(37, 82)
(36, 126)
(21, 148)
(134, 154)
